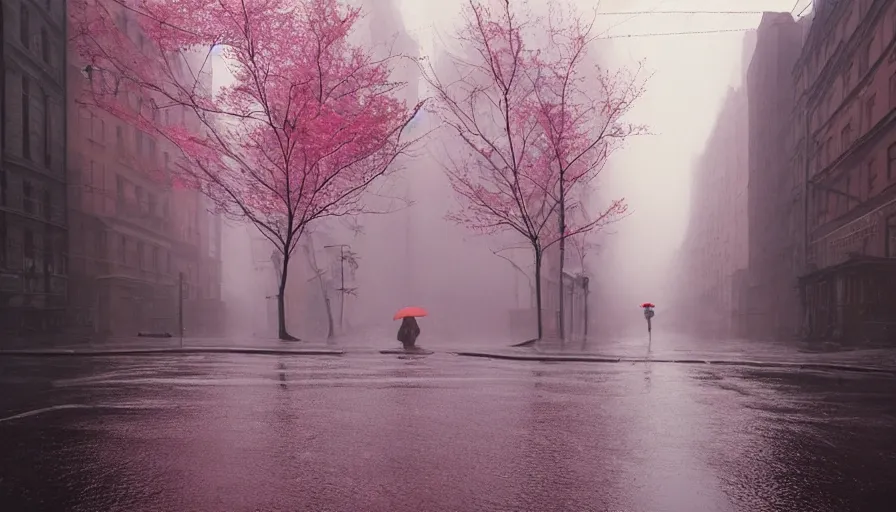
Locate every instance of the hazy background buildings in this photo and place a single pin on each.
(822, 203)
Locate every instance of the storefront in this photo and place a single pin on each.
(852, 302)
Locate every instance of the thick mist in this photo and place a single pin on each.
(413, 256)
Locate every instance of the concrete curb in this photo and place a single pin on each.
(754, 364)
(173, 350)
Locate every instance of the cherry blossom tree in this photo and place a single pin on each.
(534, 123)
(308, 123)
(580, 110)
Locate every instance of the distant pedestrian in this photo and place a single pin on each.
(648, 315)
(408, 332)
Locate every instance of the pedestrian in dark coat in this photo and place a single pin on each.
(408, 332)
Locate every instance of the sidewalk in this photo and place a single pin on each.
(685, 350)
(154, 346)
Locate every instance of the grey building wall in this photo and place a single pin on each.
(773, 300)
(33, 223)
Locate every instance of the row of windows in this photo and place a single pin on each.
(33, 202)
(29, 39)
(144, 145)
(34, 253)
(856, 188)
(24, 126)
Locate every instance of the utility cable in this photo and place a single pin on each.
(654, 34)
(640, 13)
(687, 33)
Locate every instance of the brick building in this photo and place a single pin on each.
(33, 224)
(131, 235)
(772, 299)
(846, 82)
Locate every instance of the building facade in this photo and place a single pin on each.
(846, 85)
(772, 298)
(33, 221)
(135, 239)
(715, 244)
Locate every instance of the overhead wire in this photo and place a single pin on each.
(677, 33)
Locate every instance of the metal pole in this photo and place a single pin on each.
(180, 306)
(342, 289)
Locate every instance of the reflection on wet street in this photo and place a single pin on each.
(438, 433)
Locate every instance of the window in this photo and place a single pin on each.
(891, 237)
(46, 204)
(26, 117)
(152, 204)
(28, 197)
(891, 161)
(122, 250)
(168, 265)
(48, 263)
(119, 189)
(155, 259)
(138, 141)
(167, 159)
(846, 137)
(28, 246)
(98, 129)
(47, 136)
(138, 193)
(847, 80)
(141, 263)
(864, 59)
(152, 149)
(24, 25)
(872, 177)
(102, 243)
(848, 191)
(3, 239)
(45, 44)
(119, 137)
(869, 111)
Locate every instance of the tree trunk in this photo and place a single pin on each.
(281, 302)
(330, 329)
(560, 327)
(586, 308)
(538, 293)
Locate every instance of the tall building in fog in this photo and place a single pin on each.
(772, 304)
(845, 161)
(33, 224)
(713, 255)
(131, 235)
(712, 261)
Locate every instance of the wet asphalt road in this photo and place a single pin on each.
(438, 433)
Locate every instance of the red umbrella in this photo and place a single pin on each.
(648, 305)
(409, 311)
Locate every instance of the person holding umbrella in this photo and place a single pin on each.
(648, 315)
(409, 330)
